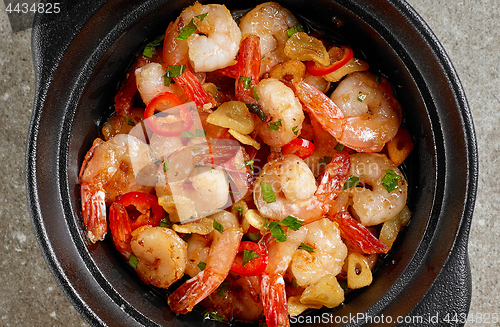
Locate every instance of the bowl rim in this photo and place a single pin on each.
(48, 66)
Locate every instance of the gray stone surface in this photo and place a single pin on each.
(470, 33)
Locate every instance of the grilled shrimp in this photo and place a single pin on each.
(150, 83)
(327, 255)
(222, 252)
(282, 109)
(110, 169)
(161, 254)
(270, 21)
(374, 204)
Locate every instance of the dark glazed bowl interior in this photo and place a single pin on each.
(81, 58)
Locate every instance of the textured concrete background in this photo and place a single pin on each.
(470, 33)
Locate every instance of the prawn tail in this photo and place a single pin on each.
(94, 212)
(274, 301)
(193, 88)
(193, 291)
(119, 224)
(248, 69)
(333, 179)
(358, 235)
(326, 112)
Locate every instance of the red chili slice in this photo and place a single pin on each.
(158, 125)
(123, 219)
(318, 70)
(300, 147)
(254, 266)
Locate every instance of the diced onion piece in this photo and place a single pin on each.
(295, 307)
(253, 218)
(233, 115)
(202, 227)
(304, 47)
(391, 228)
(327, 291)
(245, 139)
(354, 65)
(358, 271)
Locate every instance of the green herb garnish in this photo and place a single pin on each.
(187, 134)
(212, 315)
(173, 71)
(350, 182)
(276, 231)
(339, 147)
(166, 166)
(255, 95)
(165, 222)
(274, 127)
(267, 192)
(202, 265)
(292, 222)
(201, 133)
(246, 81)
(217, 226)
(390, 180)
(254, 236)
(295, 130)
(187, 30)
(305, 247)
(133, 261)
(249, 255)
(240, 210)
(361, 96)
(148, 49)
(292, 30)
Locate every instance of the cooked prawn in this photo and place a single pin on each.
(273, 293)
(161, 253)
(327, 257)
(110, 169)
(372, 114)
(295, 189)
(270, 21)
(283, 112)
(150, 83)
(373, 204)
(222, 252)
(362, 113)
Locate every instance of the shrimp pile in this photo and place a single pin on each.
(250, 167)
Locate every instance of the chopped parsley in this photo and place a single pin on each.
(350, 182)
(253, 236)
(201, 133)
(390, 180)
(165, 222)
(249, 255)
(148, 49)
(217, 226)
(305, 247)
(133, 261)
(202, 265)
(186, 31)
(361, 96)
(240, 210)
(173, 71)
(267, 192)
(274, 127)
(187, 134)
(292, 222)
(130, 121)
(339, 147)
(276, 229)
(255, 95)
(295, 130)
(166, 166)
(246, 81)
(212, 315)
(292, 30)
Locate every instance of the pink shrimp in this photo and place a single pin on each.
(221, 255)
(362, 113)
(109, 169)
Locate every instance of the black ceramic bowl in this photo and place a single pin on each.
(82, 54)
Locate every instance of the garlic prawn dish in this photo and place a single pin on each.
(251, 166)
